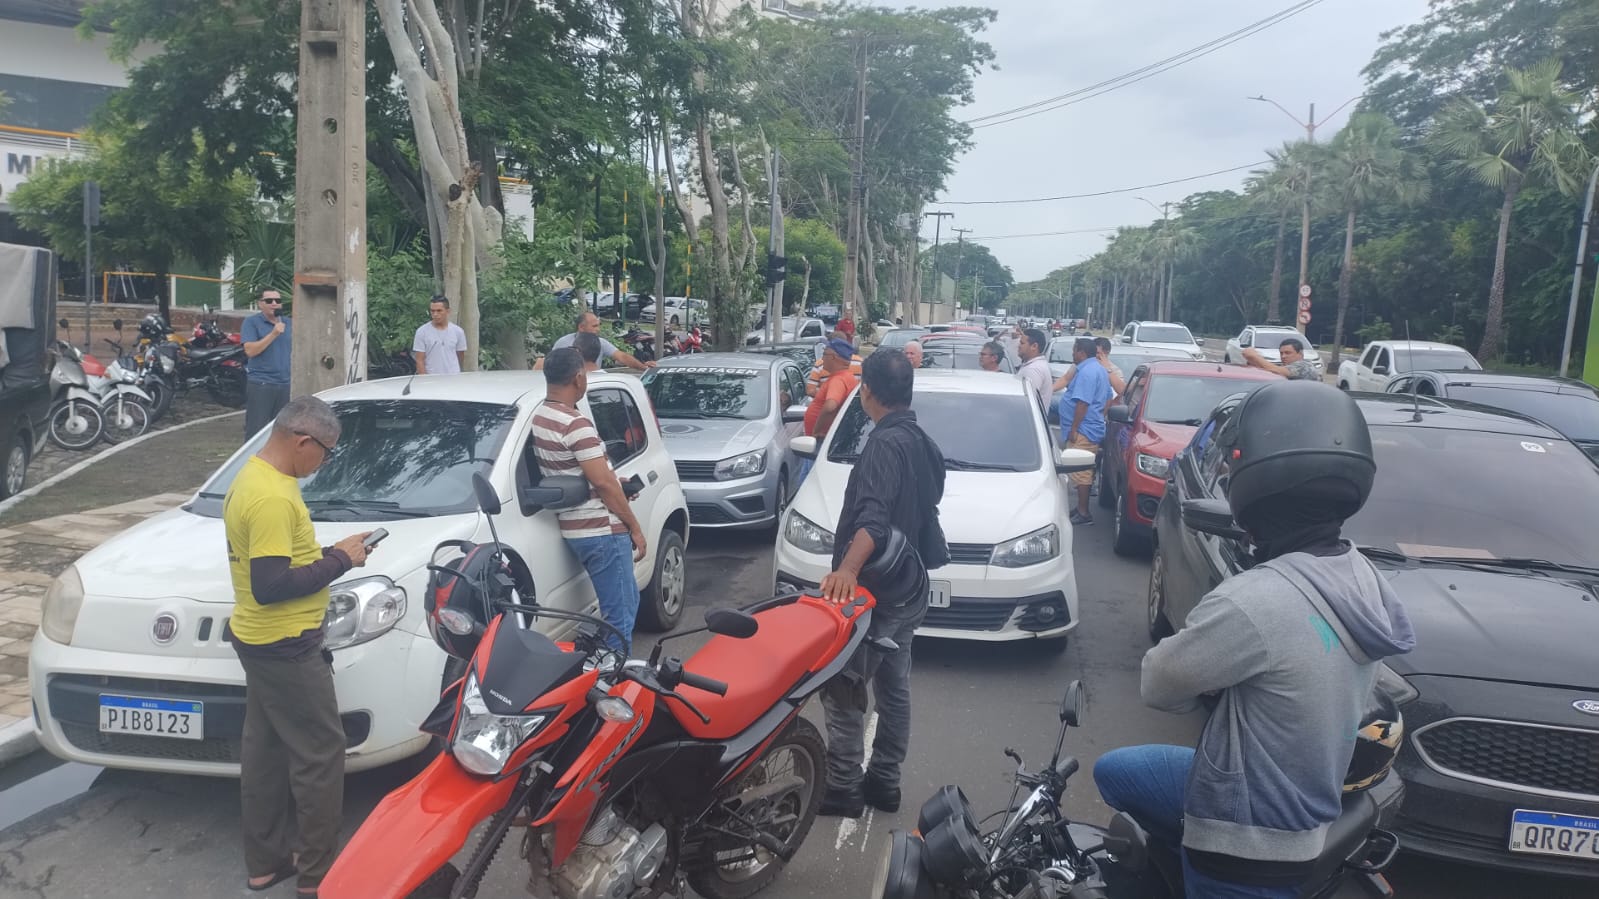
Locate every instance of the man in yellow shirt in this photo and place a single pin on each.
(291, 760)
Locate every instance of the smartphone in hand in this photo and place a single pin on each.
(374, 538)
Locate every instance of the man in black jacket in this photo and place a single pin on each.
(896, 484)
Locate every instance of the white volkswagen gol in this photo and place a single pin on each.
(140, 624)
(1010, 575)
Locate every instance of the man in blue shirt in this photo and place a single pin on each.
(1082, 417)
(268, 342)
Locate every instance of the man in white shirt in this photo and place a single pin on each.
(440, 345)
(1035, 368)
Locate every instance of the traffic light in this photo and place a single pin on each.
(776, 269)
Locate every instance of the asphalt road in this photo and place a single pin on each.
(73, 831)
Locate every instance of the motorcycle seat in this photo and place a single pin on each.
(758, 670)
(226, 349)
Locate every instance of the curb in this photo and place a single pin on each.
(104, 454)
(17, 740)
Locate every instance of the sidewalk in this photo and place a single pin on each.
(45, 533)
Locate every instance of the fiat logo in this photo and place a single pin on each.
(1587, 706)
(165, 628)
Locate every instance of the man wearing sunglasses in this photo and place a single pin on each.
(268, 342)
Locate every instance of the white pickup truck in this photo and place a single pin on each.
(1383, 359)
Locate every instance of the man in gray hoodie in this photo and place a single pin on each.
(1285, 655)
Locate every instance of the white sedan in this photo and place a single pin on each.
(1268, 341)
(1004, 511)
(142, 620)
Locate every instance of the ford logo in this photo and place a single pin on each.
(165, 628)
(1587, 706)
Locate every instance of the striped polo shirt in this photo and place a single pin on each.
(563, 440)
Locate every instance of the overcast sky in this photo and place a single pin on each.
(1188, 121)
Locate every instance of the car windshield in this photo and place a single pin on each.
(1061, 351)
(976, 432)
(1187, 400)
(1271, 340)
(901, 336)
(1575, 415)
(1425, 360)
(961, 356)
(1164, 334)
(705, 391)
(1529, 497)
(394, 459)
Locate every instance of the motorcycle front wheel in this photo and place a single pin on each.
(126, 417)
(788, 780)
(160, 396)
(76, 425)
(227, 387)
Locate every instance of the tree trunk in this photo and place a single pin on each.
(725, 311)
(1493, 327)
(1344, 277)
(1274, 299)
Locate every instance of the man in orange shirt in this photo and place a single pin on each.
(831, 395)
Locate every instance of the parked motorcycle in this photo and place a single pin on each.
(623, 777)
(75, 419)
(1038, 853)
(219, 369)
(153, 370)
(641, 344)
(208, 332)
(398, 364)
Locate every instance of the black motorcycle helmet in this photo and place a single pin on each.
(154, 327)
(1292, 439)
(893, 563)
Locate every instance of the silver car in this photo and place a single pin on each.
(727, 419)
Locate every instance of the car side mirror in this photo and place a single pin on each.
(487, 500)
(803, 446)
(1379, 369)
(794, 414)
(1074, 460)
(1071, 707)
(557, 492)
(1199, 341)
(735, 623)
(1211, 516)
(1245, 343)
(1119, 413)
(1127, 338)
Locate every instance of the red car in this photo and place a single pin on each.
(1164, 404)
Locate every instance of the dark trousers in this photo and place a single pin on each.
(262, 403)
(844, 700)
(291, 764)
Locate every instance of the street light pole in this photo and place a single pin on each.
(1576, 277)
(938, 227)
(1163, 296)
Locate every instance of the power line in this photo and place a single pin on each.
(1101, 193)
(1043, 234)
(1149, 71)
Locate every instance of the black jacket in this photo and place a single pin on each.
(897, 482)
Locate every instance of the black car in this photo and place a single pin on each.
(1569, 406)
(1484, 523)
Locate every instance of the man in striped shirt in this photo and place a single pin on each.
(603, 531)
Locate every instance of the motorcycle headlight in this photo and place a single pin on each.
(484, 741)
(361, 610)
(1395, 687)
(1028, 549)
(747, 465)
(807, 535)
(58, 615)
(1154, 466)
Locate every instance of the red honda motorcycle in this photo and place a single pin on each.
(622, 777)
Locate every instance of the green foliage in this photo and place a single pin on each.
(1376, 330)
(264, 254)
(1451, 334)
(808, 239)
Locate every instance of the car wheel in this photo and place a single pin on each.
(16, 471)
(1126, 543)
(661, 604)
(1107, 493)
(785, 494)
(1343, 385)
(1159, 625)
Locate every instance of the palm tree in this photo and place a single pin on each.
(1368, 165)
(1528, 132)
(1280, 189)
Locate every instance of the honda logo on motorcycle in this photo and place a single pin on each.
(165, 628)
(1587, 706)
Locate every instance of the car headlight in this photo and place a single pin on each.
(1028, 549)
(58, 615)
(747, 465)
(807, 535)
(1395, 687)
(484, 741)
(361, 610)
(1154, 466)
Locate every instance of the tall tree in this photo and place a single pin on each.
(1528, 132)
(1368, 165)
(1279, 190)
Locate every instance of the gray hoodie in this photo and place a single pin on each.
(1291, 646)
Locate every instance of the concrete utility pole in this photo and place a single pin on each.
(775, 252)
(1576, 278)
(960, 256)
(330, 198)
(857, 185)
(938, 227)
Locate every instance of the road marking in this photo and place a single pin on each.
(848, 826)
(871, 735)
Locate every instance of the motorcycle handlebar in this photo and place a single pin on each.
(700, 682)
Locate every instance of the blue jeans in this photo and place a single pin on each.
(1148, 783)
(609, 562)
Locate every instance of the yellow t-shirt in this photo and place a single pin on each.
(264, 516)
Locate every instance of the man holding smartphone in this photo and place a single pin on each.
(291, 759)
